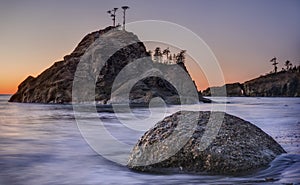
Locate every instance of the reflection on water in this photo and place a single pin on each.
(41, 144)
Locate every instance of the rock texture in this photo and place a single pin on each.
(281, 84)
(239, 146)
(54, 85)
(157, 80)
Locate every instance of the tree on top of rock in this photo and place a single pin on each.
(124, 13)
(180, 57)
(113, 15)
(157, 54)
(166, 52)
(274, 63)
(288, 65)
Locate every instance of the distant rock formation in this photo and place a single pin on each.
(54, 85)
(239, 146)
(285, 83)
(281, 84)
(234, 89)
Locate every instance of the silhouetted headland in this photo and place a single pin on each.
(285, 83)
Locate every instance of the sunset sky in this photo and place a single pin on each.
(244, 35)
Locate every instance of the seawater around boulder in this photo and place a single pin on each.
(239, 146)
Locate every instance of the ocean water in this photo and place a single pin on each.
(41, 144)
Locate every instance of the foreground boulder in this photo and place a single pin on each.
(238, 146)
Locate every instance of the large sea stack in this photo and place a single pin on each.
(54, 85)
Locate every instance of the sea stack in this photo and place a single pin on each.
(54, 85)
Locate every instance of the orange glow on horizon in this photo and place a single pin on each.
(10, 85)
(11, 88)
(8, 89)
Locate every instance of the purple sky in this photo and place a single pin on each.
(244, 35)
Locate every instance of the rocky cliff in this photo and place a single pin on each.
(281, 84)
(285, 83)
(54, 85)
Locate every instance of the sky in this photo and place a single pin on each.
(243, 35)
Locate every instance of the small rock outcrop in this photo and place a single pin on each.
(234, 89)
(239, 146)
(54, 85)
(281, 84)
